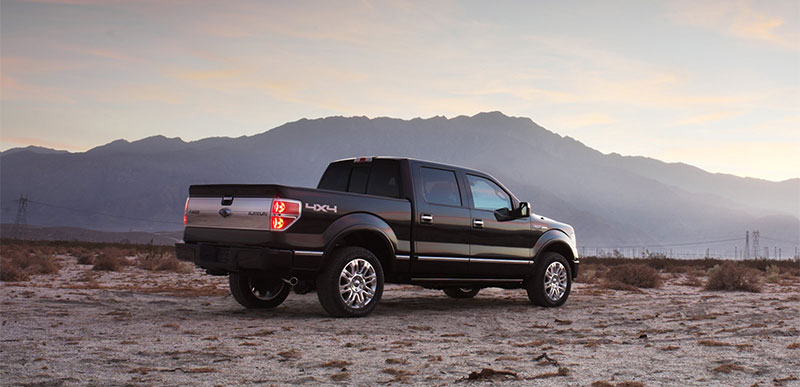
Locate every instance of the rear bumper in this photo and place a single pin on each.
(233, 259)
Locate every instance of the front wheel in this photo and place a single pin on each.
(254, 292)
(351, 283)
(461, 292)
(551, 281)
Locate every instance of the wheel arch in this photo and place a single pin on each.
(367, 231)
(558, 242)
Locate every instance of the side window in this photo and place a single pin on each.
(486, 195)
(358, 179)
(440, 187)
(336, 176)
(384, 180)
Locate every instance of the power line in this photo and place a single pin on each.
(85, 211)
(666, 244)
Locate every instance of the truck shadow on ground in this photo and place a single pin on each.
(393, 307)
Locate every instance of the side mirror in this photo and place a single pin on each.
(523, 211)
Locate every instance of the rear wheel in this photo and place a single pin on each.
(551, 281)
(461, 292)
(351, 284)
(255, 292)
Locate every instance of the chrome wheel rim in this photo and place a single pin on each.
(268, 292)
(466, 290)
(555, 281)
(358, 283)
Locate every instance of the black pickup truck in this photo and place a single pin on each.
(373, 220)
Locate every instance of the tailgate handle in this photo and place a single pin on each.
(426, 218)
(227, 200)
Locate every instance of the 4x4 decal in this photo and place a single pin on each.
(320, 207)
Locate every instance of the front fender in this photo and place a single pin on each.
(555, 236)
(350, 223)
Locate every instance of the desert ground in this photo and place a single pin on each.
(181, 327)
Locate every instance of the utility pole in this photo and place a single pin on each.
(735, 252)
(22, 216)
(746, 245)
(756, 235)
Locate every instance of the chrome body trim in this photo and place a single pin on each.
(402, 257)
(242, 214)
(442, 259)
(469, 279)
(511, 261)
(308, 253)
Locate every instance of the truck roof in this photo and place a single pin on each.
(432, 163)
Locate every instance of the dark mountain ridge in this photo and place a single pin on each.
(612, 200)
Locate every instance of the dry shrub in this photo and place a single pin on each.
(12, 273)
(161, 261)
(732, 276)
(19, 265)
(85, 259)
(634, 274)
(773, 273)
(108, 263)
(591, 273)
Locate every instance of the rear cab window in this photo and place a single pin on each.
(378, 177)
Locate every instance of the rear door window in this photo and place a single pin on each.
(440, 186)
(384, 180)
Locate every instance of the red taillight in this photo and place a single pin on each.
(278, 223)
(284, 213)
(185, 212)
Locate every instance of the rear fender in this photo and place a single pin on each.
(361, 223)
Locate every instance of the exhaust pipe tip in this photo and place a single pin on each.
(291, 281)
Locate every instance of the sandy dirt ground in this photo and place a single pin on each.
(138, 327)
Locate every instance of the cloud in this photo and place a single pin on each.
(706, 118)
(769, 22)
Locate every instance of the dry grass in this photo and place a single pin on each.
(162, 261)
(627, 383)
(728, 368)
(18, 263)
(562, 371)
(490, 374)
(733, 277)
(104, 262)
(634, 274)
(713, 343)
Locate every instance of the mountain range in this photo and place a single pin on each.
(612, 200)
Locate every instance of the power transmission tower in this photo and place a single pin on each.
(746, 252)
(22, 216)
(756, 246)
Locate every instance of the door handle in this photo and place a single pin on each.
(426, 218)
(477, 223)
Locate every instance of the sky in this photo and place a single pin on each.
(715, 84)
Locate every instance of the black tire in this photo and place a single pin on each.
(537, 284)
(255, 292)
(461, 292)
(355, 300)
